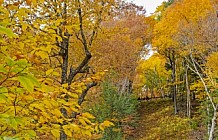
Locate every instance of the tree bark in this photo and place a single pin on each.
(173, 82)
(68, 74)
(162, 92)
(83, 95)
(213, 124)
(64, 55)
(188, 94)
(172, 59)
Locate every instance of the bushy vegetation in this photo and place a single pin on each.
(119, 108)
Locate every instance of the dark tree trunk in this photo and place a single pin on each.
(174, 88)
(188, 93)
(172, 60)
(64, 68)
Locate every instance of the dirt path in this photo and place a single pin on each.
(148, 118)
(157, 122)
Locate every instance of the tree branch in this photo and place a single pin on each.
(84, 93)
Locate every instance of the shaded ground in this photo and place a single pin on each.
(157, 122)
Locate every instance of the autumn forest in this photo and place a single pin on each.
(105, 70)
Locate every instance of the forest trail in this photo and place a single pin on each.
(157, 122)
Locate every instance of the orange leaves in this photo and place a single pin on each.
(19, 56)
(118, 46)
(33, 2)
(28, 2)
(16, 3)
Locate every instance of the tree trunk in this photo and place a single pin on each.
(188, 94)
(208, 122)
(152, 93)
(172, 59)
(130, 87)
(147, 90)
(174, 85)
(64, 55)
(162, 92)
(213, 124)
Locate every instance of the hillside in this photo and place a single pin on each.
(157, 122)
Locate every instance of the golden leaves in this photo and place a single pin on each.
(105, 124)
(42, 54)
(29, 2)
(55, 133)
(88, 115)
(168, 27)
(212, 65)
(38, 101)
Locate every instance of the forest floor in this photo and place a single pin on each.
(157, 122)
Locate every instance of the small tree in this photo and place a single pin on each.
(121, 109)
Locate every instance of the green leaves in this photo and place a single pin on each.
(3, 94)
(2, 69)
(28, 82)
(9, 138)
(7, 31)
(9, 61)
(3, 90)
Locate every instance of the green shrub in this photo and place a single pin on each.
(121, 109)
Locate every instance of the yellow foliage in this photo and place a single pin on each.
(88, 115)
(55, 133)
(108, 123)
(67, 130)
(212, 64)
(185, 11)
(31, 105)
(152, 68)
